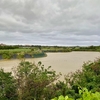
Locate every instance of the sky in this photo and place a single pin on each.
(50, 22)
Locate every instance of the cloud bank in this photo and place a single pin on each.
(50, 22)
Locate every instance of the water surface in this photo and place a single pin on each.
(60, 62)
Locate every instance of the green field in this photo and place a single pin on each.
(16, 50)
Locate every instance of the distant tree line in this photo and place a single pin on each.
(9, 47)
(54, 48)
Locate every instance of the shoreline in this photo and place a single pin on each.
(34, 56)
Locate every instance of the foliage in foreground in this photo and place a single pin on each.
(7, 86)
(30, 82)
(34, 82)
(88, 77)
(84, 95)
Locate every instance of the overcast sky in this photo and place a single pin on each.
(50, 22)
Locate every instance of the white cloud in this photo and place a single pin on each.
(77, 22)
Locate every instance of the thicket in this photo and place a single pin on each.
(34, 82)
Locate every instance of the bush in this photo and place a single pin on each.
(7, 86)
(88, 77)
(33, 80)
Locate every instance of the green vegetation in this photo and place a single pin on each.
(4, 47)
(7, 86)
(31, 51)
(67, 48)
(34, 82)
(88, 77)
(56, 49)
(29, 82)
(21, 53)
(84, 95)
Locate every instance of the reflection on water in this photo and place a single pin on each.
(60, 62)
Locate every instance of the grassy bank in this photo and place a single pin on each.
(17, 52)
(21, 53)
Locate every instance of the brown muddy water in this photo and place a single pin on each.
(60, 62)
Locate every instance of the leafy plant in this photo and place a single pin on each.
(88, 95)
(84, 95)
(7, 86)
(33, 80)
(62, 98)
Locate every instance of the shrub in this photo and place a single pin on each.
(88, 77)
(33, 80)
(7, 86)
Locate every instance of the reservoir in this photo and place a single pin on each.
(60, 62)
